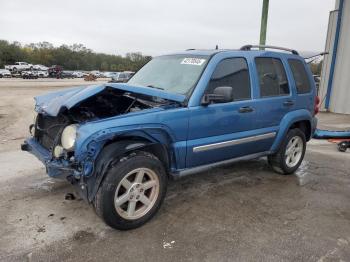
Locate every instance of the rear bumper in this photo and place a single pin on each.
(57, 168)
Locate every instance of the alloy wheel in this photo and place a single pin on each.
(136, 193)
(294, 151)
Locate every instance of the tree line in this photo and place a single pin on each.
(70, 57)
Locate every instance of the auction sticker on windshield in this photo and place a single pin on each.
(193, 61)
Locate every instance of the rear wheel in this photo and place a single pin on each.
(132, 191)
(291, 153)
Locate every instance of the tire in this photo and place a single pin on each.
(342, 146)
(14, 70)
(112, 188)
(286, 164)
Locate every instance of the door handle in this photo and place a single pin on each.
(245, 109)
(288, 103)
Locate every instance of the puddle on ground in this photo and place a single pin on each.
(304, 175)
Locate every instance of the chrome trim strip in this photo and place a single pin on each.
(233, 142)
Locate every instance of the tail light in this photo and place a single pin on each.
(317, 105)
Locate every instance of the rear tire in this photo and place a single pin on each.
(290, 154)
(343, 146)
(126, 199)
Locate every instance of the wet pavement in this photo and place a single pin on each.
(239, 212)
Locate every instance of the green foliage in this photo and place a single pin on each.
(73, 57)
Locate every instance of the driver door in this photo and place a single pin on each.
(222, 131)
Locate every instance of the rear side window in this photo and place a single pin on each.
(300, 76)
(272, 77)
(232, 72)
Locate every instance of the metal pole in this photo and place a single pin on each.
(263, 26)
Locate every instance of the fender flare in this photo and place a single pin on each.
(287, 121)
(107, 156)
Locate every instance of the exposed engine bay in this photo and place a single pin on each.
(108, 103)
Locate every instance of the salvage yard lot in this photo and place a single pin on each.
(240, 212)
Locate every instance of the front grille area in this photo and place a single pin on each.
(48, 130)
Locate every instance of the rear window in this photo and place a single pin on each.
(300, 76)
(272, 77)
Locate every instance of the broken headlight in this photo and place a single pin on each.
(68, 137)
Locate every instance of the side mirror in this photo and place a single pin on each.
(221, 94)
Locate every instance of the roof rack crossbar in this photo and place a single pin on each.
(249, 47)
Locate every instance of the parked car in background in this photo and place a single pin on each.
(96, 73)
(54, 70)
(107, 74)
(29, 74)
(19, 66)
(66, 74)
(40, 67)
(42, 74)
(179, 114)
(110, 74)
(122, 77)
(78, 74)
(5, 73)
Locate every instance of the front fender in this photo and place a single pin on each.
(104, 160)
(287, 121)
(90, 146)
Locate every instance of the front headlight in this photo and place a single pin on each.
(68, 137)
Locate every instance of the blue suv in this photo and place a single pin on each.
(180, 114)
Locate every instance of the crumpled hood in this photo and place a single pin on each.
(52, 103)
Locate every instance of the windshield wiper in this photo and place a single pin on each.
(156, 87)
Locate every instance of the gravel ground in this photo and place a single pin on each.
(240, 212)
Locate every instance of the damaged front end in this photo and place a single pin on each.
(56, 131)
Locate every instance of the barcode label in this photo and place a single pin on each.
(193, 61)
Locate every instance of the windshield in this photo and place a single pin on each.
(172, 73)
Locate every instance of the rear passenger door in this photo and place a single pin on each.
(275, 98)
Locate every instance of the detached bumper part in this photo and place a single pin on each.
(55, 168)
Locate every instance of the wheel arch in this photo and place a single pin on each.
(296, 119)
(119, 147)
(305, 126)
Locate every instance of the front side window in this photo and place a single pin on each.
(173, 73)
(272, 77)
(300, 76)
(232, 72)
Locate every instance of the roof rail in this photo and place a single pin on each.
(249, 47)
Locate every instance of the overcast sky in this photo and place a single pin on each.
(156, 27)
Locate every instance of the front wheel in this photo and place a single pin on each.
(291, 153)
(132, 191)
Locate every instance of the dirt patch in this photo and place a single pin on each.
(83, 236)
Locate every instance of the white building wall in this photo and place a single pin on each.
(332, 23)
(340, 95)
